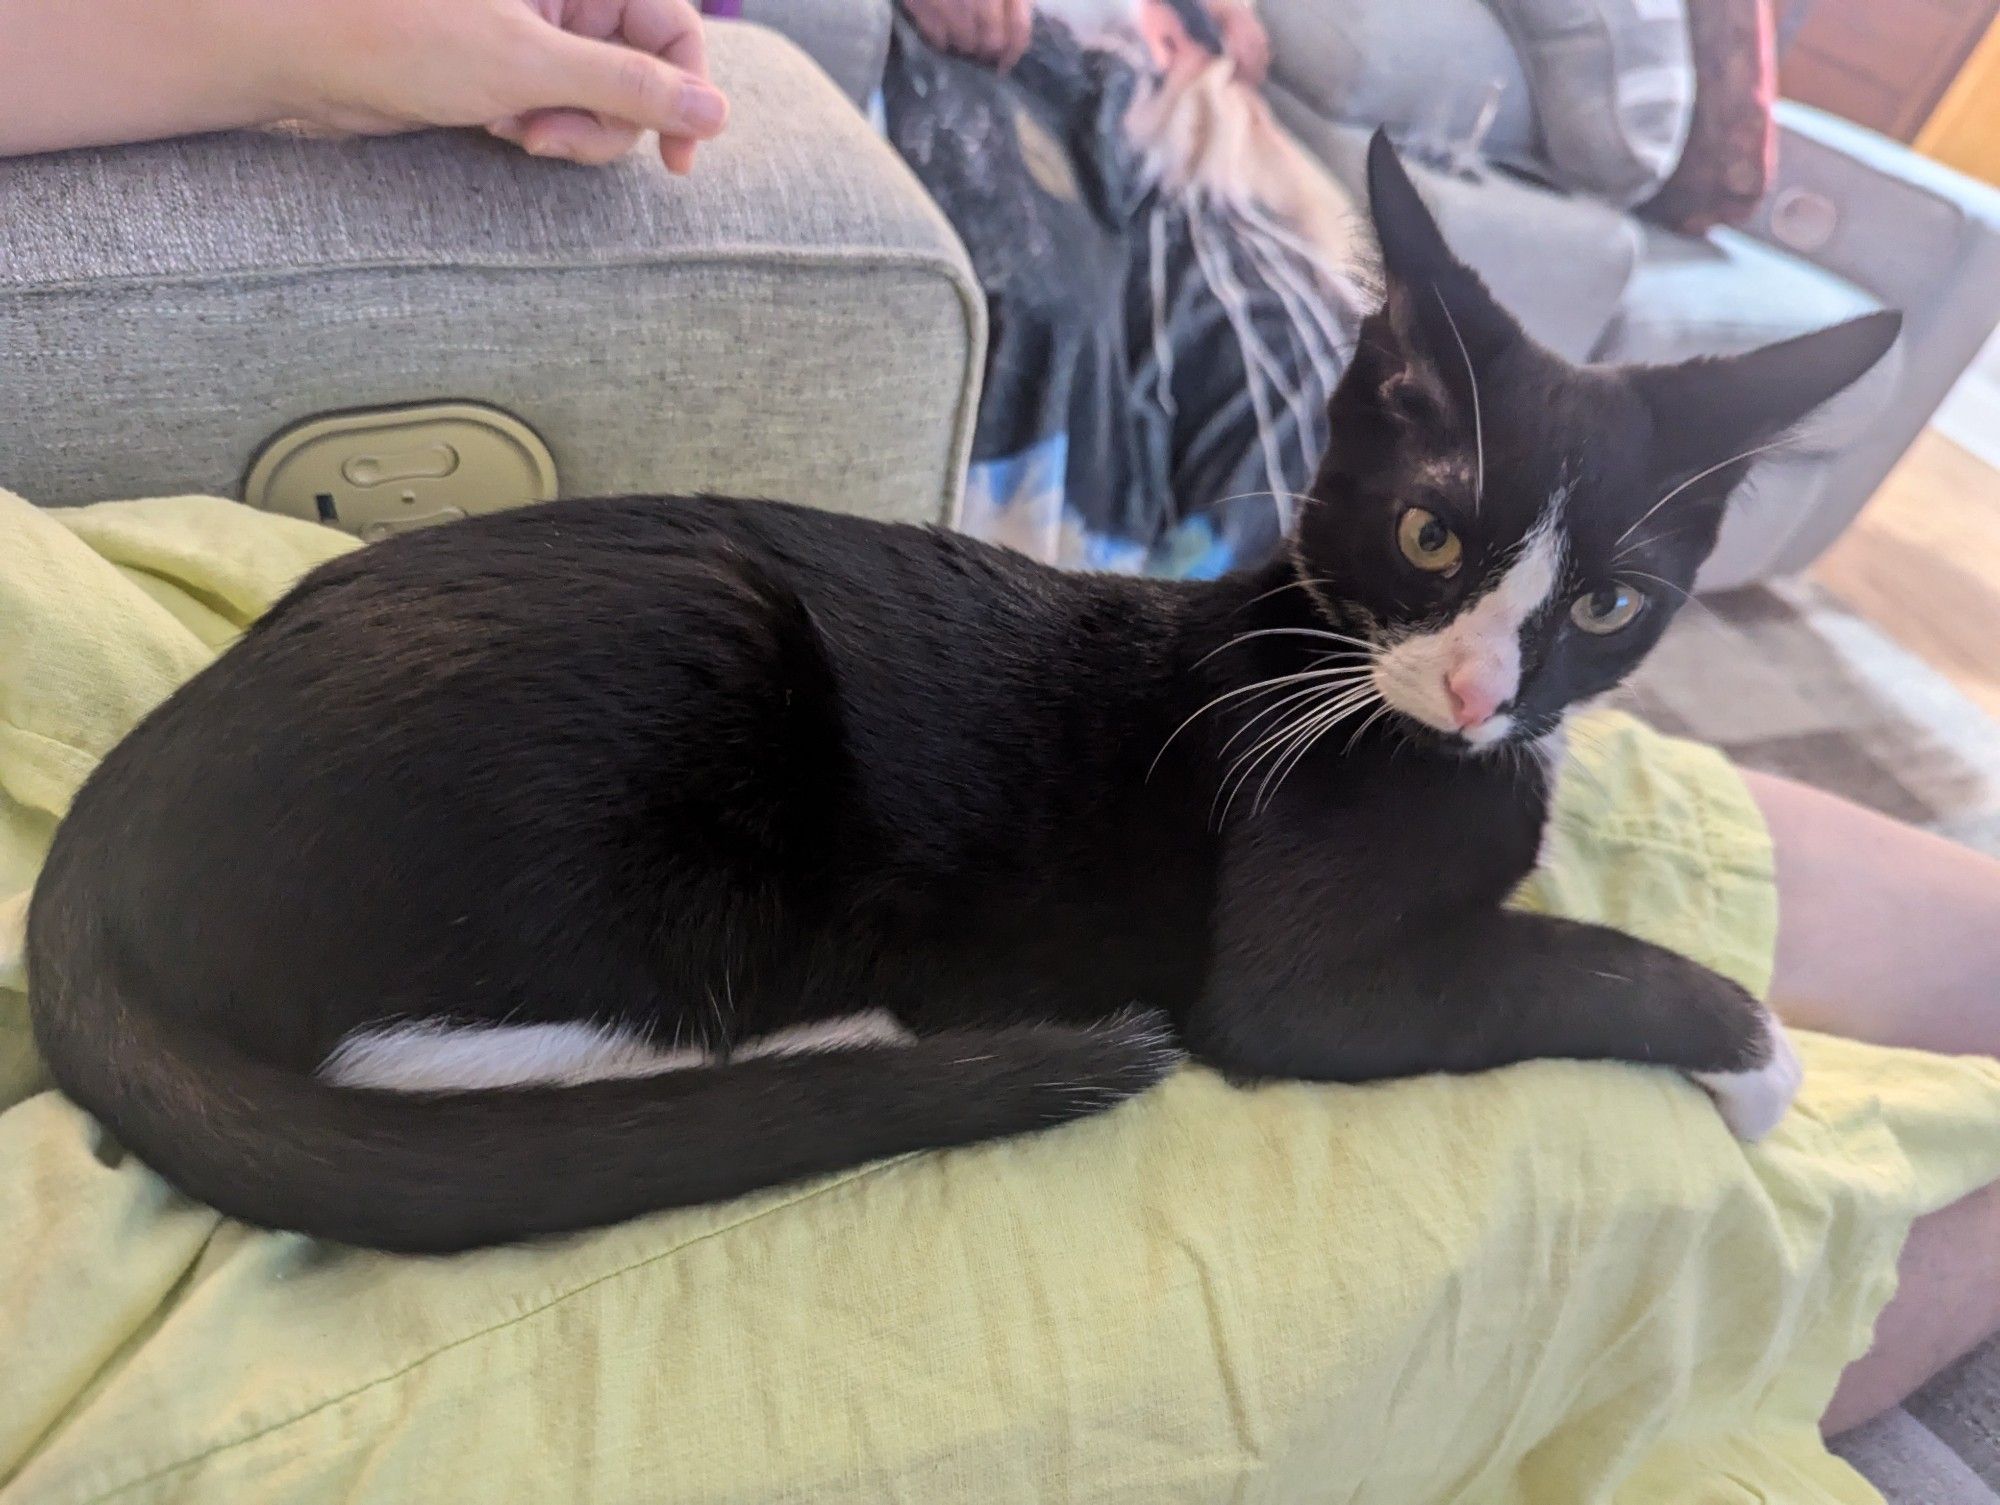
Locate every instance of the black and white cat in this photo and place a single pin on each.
(537, 871)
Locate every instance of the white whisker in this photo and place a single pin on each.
(1478, 426)
(1248, 762)
(1291, 745)
(1582, 770)
(1281, 769)
(1244, 496)
(1281, 632)
(1271, 745)
(1688, 597)
(1331, 703)
(1700, 475)
(1680, 590)
(1240, 690)
(1352, 706)
(1311, 692)
(1652, 538)
(1289, 585)
(1362, 730)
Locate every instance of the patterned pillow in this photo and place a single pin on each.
(1732, 150)
(1613, 83)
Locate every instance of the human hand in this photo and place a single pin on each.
(576, 79)
(992, 31)
(1244, 40)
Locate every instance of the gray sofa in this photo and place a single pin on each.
(798, 320)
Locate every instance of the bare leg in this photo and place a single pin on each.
(1946, 1304)
(1885, 933)
(1892, 935)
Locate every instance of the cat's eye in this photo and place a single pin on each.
(1427, 543)
(1607, 609)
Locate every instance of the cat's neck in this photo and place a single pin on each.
(1264, 641)
(1275, 618)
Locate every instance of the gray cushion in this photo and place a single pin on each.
(1512, 232)
(1912, 1465)
(848, 38)
(795, 319)
(1423, 68)
(1897, 223)
(1728, 292)
(1909, 231)
(1613, 84)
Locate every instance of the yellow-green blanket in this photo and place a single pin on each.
(1547, 1284)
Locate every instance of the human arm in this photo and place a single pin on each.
(992, 31)
(570, 78)
(1244, 40)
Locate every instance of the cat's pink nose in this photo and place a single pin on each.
(1473, 695)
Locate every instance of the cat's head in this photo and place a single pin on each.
(1512, 532)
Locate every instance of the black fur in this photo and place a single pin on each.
(711, 767)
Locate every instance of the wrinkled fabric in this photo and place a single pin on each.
(1557, 1282)
(1158, 365)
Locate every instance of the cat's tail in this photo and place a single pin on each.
(439, 1171)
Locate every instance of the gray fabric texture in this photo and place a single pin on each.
(1512, 232)
(1423, 70)
(1961, 1408)
(847, 38)
(1911, 1464)
(1911, 233)
(1890, 221)
(1853, 222)
(1728, 292)
(795, 319)
(1613, 84)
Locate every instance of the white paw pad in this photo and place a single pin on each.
(1752, 1102)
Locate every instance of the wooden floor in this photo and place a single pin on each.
(1923, 564)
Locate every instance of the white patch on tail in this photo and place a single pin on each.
(876, 1027)
(437, 1057)
(430, 1056)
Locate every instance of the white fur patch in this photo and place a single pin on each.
(876, 1027)
(1484, 639)
(435, 1057)
(1752, 1102)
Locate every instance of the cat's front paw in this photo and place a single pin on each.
(1753, 1101)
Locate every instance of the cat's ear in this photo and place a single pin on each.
(1441, 314)
(1716, 410)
